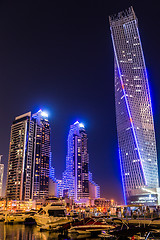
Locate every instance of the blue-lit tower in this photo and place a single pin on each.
(42, 155)
(77, 181)
(76, 176)
(134, 117)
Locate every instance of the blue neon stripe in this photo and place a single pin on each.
(134, 133)
(124, 194)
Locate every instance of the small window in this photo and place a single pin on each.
(56, 213)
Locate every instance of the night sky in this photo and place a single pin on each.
(58, 56)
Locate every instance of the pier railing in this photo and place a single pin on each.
(141, 216)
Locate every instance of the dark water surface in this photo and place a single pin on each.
(22, 232)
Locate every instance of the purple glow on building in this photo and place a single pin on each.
(134, 118)
(77, 181)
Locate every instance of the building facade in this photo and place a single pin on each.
(28, 163)
(1, 176)
(20, 158)
(75, 181)
(94, 189)
(42, 155)
(134, 117)
(75, 178)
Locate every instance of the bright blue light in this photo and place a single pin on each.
(43, 114)
(81, 125)
(124, 194)
(76, 123)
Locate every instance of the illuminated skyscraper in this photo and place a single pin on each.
(75, 181)
(19, 182)
(76, 174)
(135, 127)
(42, 155)
(1, 175)
(29, 153)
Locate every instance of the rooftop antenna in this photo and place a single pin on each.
(1, 157)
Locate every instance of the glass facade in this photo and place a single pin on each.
(76, 178)
(134, 117)
(29, 155)
(42, 155)
(20, 159)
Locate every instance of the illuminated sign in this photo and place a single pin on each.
(149, 199)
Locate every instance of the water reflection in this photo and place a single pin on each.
(22, 232)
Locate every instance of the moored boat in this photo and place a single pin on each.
(30, 220)
(90, 226)
(52, 217)
(14, 217)
(2, 215)
(19, 217)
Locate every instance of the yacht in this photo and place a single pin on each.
(14, 217)
(52, 217)
(2, 215)
(90, 226)
(18, 217)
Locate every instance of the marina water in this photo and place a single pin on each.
(22, 232)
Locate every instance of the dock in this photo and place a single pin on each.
(138, 221)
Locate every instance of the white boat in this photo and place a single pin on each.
(2, 215)
(14, 217)
(52, 217)
(18, 217)
(92, 226)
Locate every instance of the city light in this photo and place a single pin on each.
(81, 125)
(76, 123)
(44, 114)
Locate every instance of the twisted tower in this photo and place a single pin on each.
(134, 117)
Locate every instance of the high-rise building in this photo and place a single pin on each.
(94, 188)
(1, 175)
(134, 117)
(75, 182)
(29, 153)
(42, 155)
(76, 179)
(20, 158)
